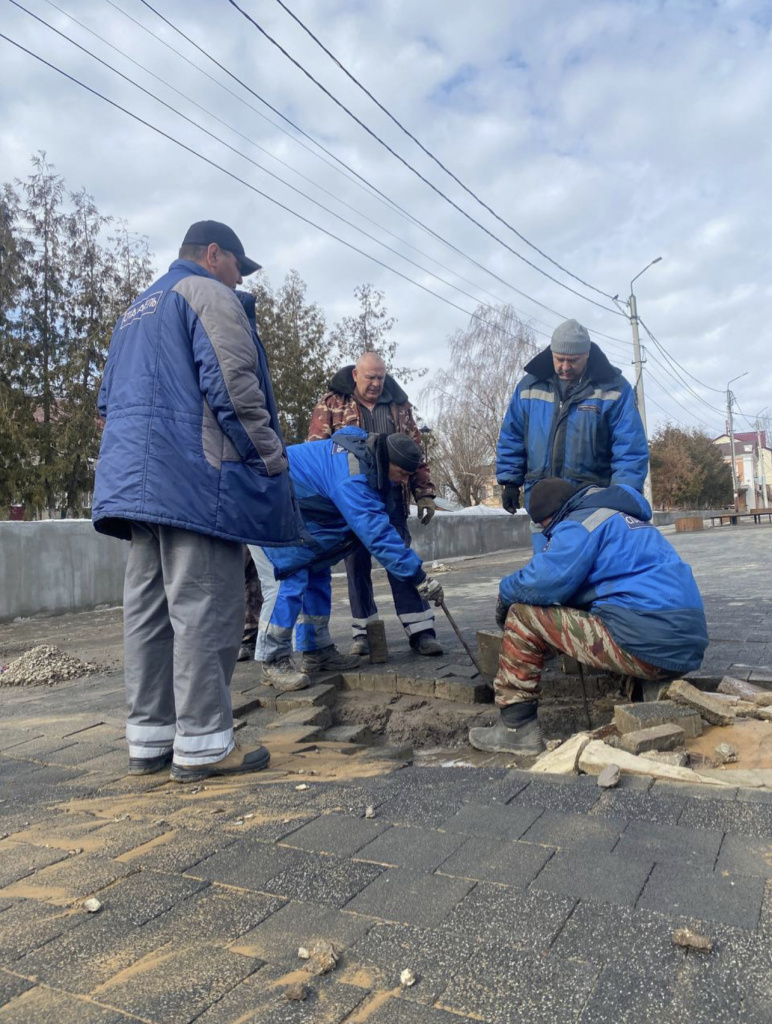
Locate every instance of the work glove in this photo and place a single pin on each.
(426, 509)
(431, 590)
(510, 498)
(501, 612)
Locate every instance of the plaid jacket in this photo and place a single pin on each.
(338, 408)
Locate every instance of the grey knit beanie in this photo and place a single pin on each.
(403, 452)
(570, 339)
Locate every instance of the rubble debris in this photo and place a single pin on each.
(92, 905)
(692, 940)
(763, 700)
(609, 776)
(667, 736)
(679, 758)
(726, 753)
(45, 665)
(302, 787)
(440, 567)
(634, 717)
(304, 953)
(564, 759)
(296, 993)
(682, 692)
(407, 979)
(324, 958)
(553, 745)
(744, 709)
(596, 755)
(370, 812)
(739, 688)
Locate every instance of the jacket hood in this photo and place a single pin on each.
(598, 367)
(343, 384)
(249, 303)
(620, 497)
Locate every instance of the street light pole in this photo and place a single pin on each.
(640, 399)
(760, 455)
(730, 420)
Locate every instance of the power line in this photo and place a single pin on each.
(240, 180)
(684, 384)
(672, 359)
(383, 197)
(406, 163)
(431, 155)
(672, 398)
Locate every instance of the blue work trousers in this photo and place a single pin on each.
(301, 602)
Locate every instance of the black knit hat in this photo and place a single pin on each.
(549, 496)
(403, 452)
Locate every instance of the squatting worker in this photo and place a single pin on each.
(608, 589)
(343, 486)
(191, 467)
(366, 396)
(573, 415)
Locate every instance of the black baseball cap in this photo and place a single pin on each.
(204, 232)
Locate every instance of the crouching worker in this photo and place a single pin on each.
(608, 590)
(342, 486)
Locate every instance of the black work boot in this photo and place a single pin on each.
(328, 659)
(247, 650)
(150, 765)
(427, 645)
(516, 732)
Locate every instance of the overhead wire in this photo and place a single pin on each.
(432, 156)
(672, 359)
(406, 163)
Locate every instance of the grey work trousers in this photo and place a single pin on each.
(183, 614)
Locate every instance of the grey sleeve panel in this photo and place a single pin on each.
(223, 318)
(599, 516)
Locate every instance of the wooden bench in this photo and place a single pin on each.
(730, 518)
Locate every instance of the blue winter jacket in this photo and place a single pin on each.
(594, 437)
(192, 437)
(604, 556)
(341, 494)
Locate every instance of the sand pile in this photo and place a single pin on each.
(44, 665)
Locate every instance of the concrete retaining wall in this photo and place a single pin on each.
(58, 566)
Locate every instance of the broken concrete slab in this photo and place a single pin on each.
(745, 778)
(682, 692)
(564, 759)
(679, 758)
(763, 699)
(634, 717)
(667, 736)
(597, 754)
(738, 687)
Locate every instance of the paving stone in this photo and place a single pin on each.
(216, 913)
(743, 855)
(506, 987)
(314, 696)
(644, 840)
(418, 686)
(348, 734)
(604, 878)
(417, 849)
(260, 1000)
(179, 984)
(11, 987)
(508, 822)
(83, 751)
(28, 924)
(559, 793)
(501, 861)
(464, 691)
(400, 1011)
(410, 897)
(320, 716)
(278, 938)
(43, 1006)
(17, 860)
(180, 851)
(572, 831)
(73, 878)
(605, 933)
(247, 864)
(141, 897)
(373, 682)
(682, 692)
(489, 650)
(663, 808)
(39, 748)
(328, 880)
(658, 737)
(742, 817)
(634, 717)
(340, 834)
(734, 900)
(423, 808)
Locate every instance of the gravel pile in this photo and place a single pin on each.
(44, 665)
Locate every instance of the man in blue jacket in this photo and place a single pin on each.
(343, 488)
(573, 415)
(191, 467)
(608, 589)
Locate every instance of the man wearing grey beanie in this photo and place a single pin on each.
(573, 415)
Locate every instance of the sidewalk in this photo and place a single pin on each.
(511, 898)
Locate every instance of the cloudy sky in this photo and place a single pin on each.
(607, 133)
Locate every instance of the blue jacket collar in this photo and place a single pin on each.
(191, 267)
(619, 497)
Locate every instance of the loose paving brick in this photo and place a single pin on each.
(509, 822)
(658, 737)
(734, 900)
(743, 855)
(506, 987)
(17, 860)
(409, 897)
(707, 707)
(418, 849)
(605, 878)
(605, 933)
(278, 938)
(502, 861)
(575, 831)
(634, 717)
(527, 920)
(43, 1006)
(177, 984)
(316, 878)
(643, 840)
(340, 834)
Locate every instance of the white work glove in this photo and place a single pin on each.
(426, 509)
(431, 590)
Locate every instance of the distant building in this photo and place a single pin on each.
(753, 466)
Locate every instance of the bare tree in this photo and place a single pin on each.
(369, 331)
(471, 397)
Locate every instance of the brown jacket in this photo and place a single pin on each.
(338, 408)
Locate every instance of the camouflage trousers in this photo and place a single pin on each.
(254, 599)
(532, 630)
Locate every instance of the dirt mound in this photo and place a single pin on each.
(44, 665)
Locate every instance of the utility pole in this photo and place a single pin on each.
(760, 453)
(640, 400)
(730, 421)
